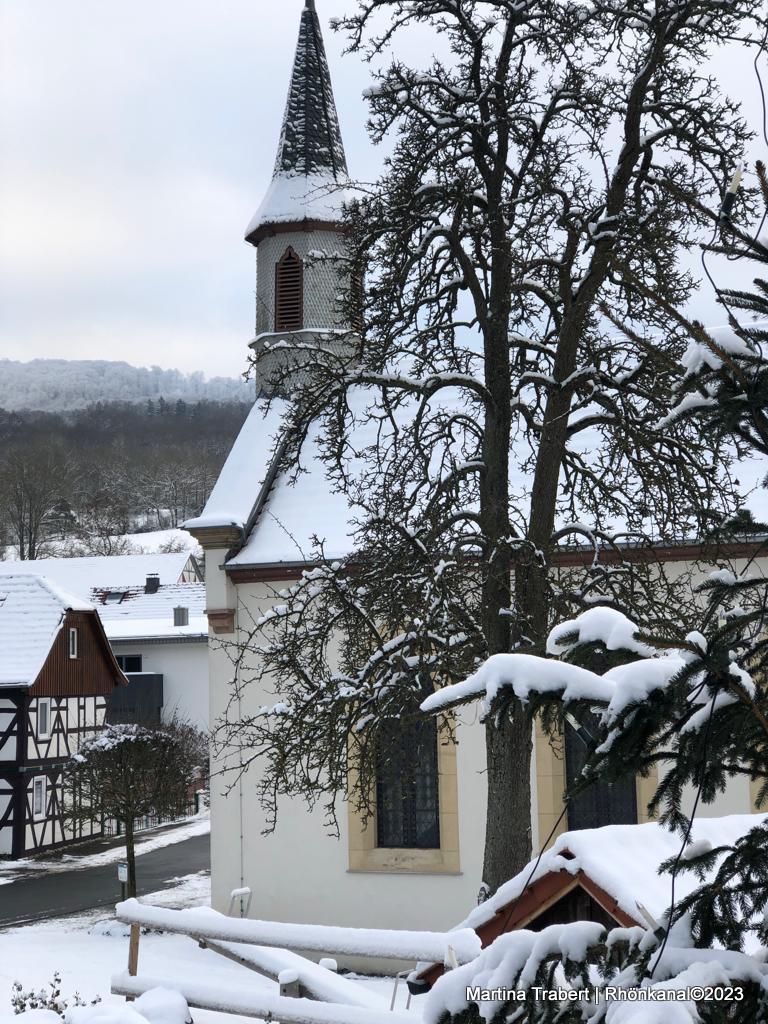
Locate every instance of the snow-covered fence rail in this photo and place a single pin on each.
(249, 1003)
(378, 943)
(314, 981)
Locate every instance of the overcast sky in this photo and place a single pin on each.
(136, 140)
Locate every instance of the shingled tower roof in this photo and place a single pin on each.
(310, 142)
(310, 156)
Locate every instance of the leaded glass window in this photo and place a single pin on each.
(407, 807)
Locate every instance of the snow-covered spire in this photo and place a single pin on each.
(310, 142)
(311, 162)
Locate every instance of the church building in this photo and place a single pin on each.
(423, 870)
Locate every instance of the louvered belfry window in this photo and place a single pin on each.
(289, 292)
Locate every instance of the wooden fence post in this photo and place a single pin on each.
(133, 954)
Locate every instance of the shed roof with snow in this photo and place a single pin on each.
(133, 613)
(613, 869)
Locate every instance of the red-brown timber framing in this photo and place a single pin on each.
(523, 911)
(683, 552)
(94, 671)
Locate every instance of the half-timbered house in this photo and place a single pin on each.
(152, 608)
(56, 670)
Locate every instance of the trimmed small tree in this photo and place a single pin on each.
(129, 772)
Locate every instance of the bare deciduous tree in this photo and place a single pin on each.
(547, 173)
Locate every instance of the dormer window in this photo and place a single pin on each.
(73, 641)
(289, 292)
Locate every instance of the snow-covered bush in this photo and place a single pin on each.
(576, 973)
(49, 998)
(157, 1006)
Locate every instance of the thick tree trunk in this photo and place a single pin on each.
(508, 833)
(130, 856)
(508, 741)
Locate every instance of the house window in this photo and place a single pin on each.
(129, 662)
(289, 292)
(38, 797)
(407, 797)
(43, 719)
(73, 642)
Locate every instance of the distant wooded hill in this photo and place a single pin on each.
(59, 385)
(73, 482)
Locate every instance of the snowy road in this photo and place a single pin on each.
(44, 896)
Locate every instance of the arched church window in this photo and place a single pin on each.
(289, 292)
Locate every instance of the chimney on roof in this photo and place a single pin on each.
(153, 583)
(181, 616)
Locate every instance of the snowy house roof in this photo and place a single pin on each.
(82, 575)
(311, 163)
(618, 865)
(32, 611)
(276, 511)
(130, 613)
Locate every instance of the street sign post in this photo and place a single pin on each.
(122, 876)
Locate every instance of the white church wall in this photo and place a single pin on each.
(300, 872)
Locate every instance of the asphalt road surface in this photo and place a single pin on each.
(60, 893)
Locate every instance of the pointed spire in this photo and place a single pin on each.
(310, 142)
(311, 168)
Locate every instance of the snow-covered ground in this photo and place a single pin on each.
(154, 839)
(88, 949)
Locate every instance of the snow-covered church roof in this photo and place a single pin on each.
(277, 511)
(311, 167)
(32, 611)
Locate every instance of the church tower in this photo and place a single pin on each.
(301, 271)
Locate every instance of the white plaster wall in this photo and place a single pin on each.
(6, 831)
(300, 873)
(184, 668)
(7, 714)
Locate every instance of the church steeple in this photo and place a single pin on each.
(311, 162)
(302, 273)
(310, 142)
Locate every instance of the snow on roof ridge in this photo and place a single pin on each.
(67, 601)
(246, 469)
(83, 574)
(293, 198)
